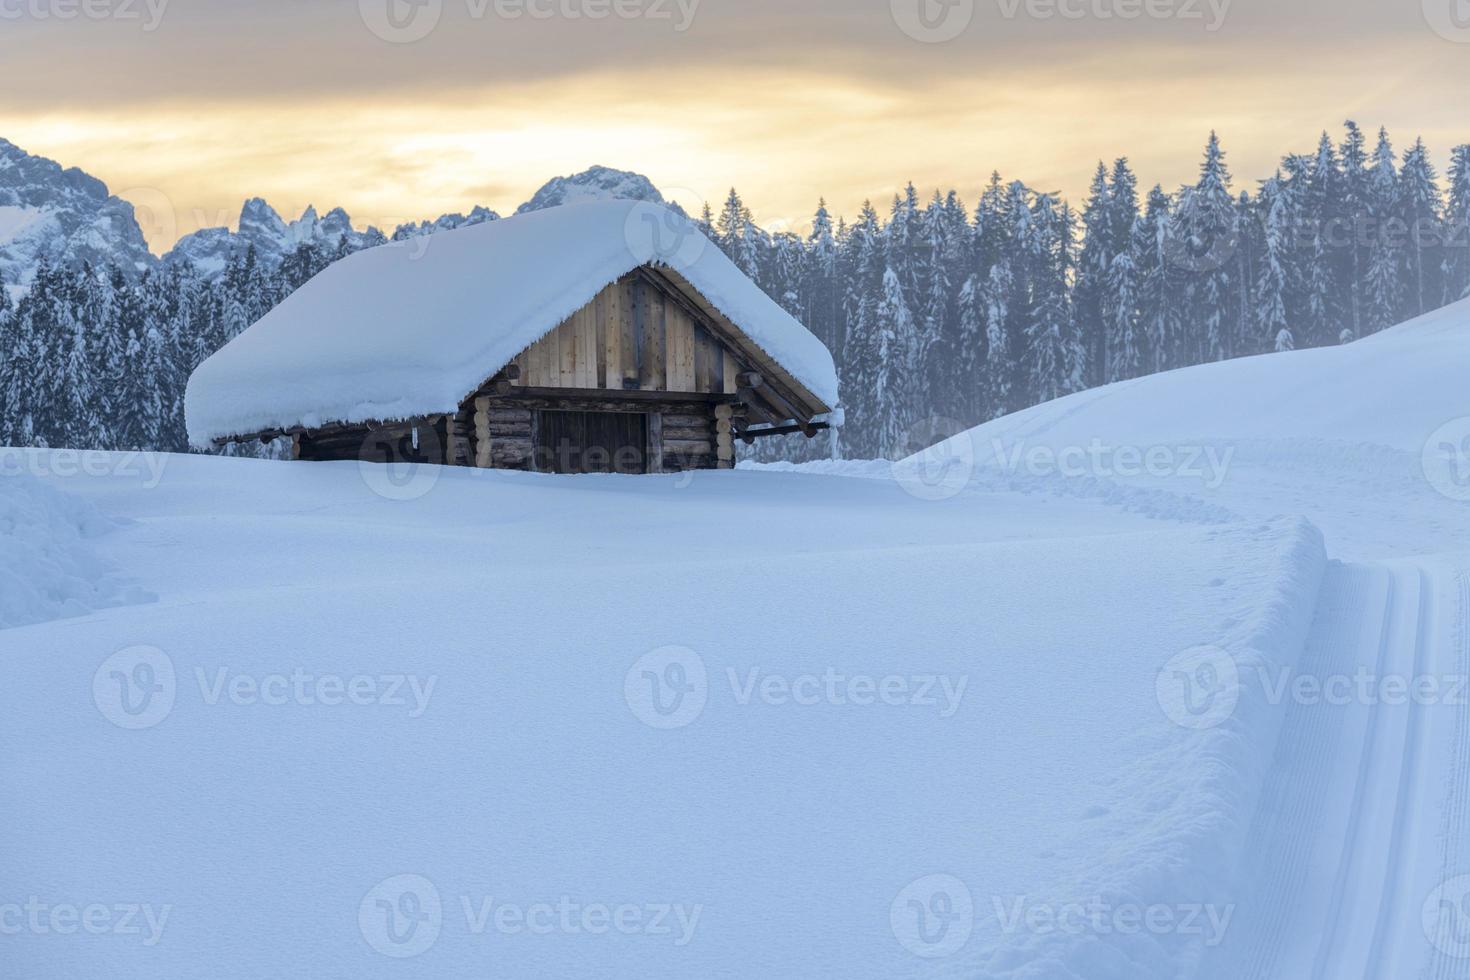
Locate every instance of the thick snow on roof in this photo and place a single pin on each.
(410, 329)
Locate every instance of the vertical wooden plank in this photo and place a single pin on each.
(550, 361)
(587, 346)
(628, 335)
(685, 372)
(674, 353)
(731, 370)
(566, 355)
(610, 373)
(579, 348)
(704, 361)
(655, 340)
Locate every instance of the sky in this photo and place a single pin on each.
(401, 110)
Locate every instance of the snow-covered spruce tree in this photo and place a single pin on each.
(1054, 353)
(1206, 237)
(14, 350)
(1122, 350)
(1385, 286)
(937, 335)
(821, 293)
(1423, 210)
(1093, 265)
(1356, 219)
(862, 345)
(1271, 287)
(1000, 365)
(1158, 314)
(732, 235)
(1321, 218)
(893, 396)
(1457, 228)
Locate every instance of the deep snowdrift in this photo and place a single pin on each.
(49, 568)
(994, 715)
(1370, 441)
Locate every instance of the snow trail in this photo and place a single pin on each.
(1307, 789)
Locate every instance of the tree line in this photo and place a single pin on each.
(937, 310)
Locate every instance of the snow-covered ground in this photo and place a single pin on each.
(1074, 712)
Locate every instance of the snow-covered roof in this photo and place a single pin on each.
(408, 330)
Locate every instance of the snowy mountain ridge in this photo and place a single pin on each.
(48, 213)
(51, 214)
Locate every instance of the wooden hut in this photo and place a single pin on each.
(596, 338)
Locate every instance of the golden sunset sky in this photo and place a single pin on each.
(401, 110)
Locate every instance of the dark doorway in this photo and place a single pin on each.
(592, 442)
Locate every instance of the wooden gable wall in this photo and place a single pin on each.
(631, 337)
